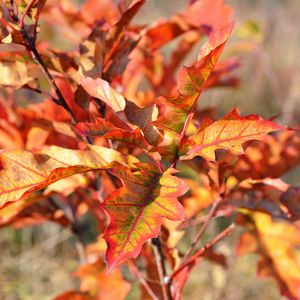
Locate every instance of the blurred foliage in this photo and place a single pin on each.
(35, 262)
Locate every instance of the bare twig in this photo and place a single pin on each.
(202, 229)
(161, 268)
(142, 280)
(39, 91)
(202, 250)
(26, 10)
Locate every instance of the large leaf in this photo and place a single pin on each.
(136, 209)
(22, 172)
(228, 133)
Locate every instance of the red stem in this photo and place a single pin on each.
(202, 250)
(21, 21)
(142, 280)
(202, 229)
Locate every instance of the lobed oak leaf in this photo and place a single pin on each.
(101, 89)
(276, 245)
(136, 210)
(23, 172)
(191, 81)
(228, 133)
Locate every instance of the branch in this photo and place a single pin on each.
(161, 268)
(39, 91)
(202, 250)
(202, 229)
(26, 10)
(31, 47)
(142, 280)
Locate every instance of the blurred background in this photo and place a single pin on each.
(36, 262)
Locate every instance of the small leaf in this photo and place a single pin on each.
(101, 89)
(107, 130)
(228, 133)
(136, 209)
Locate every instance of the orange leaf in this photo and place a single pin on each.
(277, 247)
(23, 172)
(100, 284)
(136, 210)
(228, 133)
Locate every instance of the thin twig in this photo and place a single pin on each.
(161, 268)
(202, 250)
(27, 8)
(39, 91)
(202, 229)
(142, 280)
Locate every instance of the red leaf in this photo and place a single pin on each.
(107, 130)
(136, 210)
(191, 81)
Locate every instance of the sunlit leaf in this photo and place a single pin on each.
(136, 210)
(102, 285)
(22, 172)
(191, 81)
(276, 243)
(228, 133)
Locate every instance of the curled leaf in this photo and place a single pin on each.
(101, 89)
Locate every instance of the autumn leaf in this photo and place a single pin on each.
(102, 285)
(23, 172)
(276, 244)
(32, 210)
(101, 89)
(191, 81)
(17, 73)
(228, 133)
(107, 130)
(136, 209)
(215, 14)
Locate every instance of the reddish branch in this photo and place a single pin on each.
(202, 250)
(142, 280)
(202, 229)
